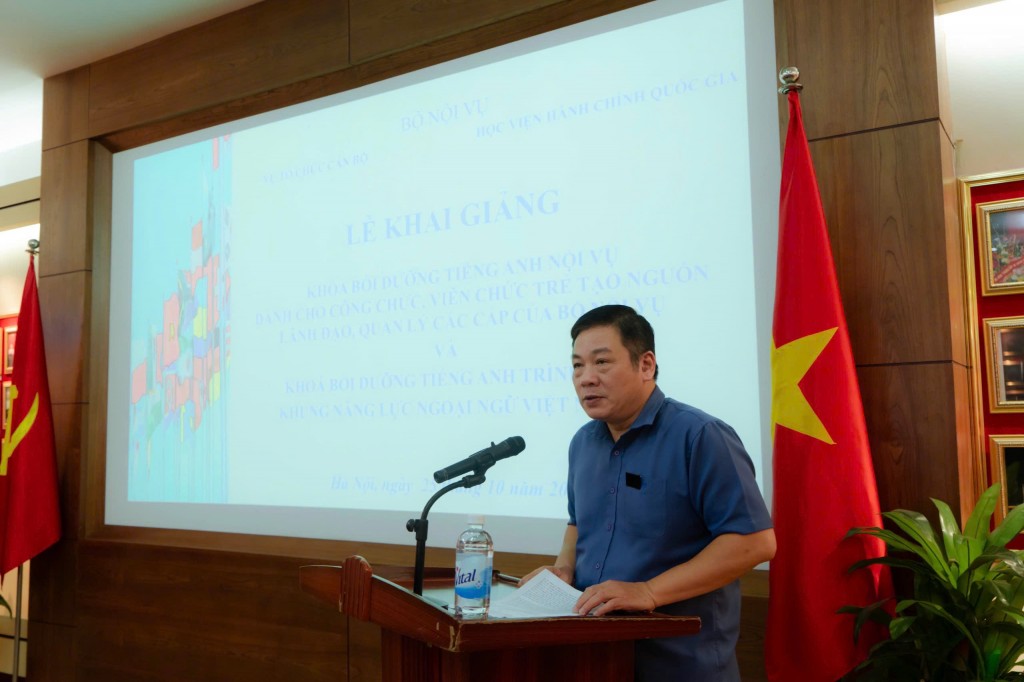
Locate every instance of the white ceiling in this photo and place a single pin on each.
(40, 38)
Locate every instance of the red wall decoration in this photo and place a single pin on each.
(993, 214)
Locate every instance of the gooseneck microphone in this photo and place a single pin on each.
(482, 460)
(477, 463)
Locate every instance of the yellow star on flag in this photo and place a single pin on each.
(789, 365)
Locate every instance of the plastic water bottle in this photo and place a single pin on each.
(474, 556)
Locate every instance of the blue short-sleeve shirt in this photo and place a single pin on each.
(673, 482)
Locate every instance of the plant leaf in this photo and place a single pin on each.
(1010, 659)
(896, 562)
(981, 517)
(917, 528)
(893, 541)
(1010, 562)
(951, 536)
(900, 625)
(1011, 526)
(873, 612)
(1014, 630)
(965, 620)
(941, 612)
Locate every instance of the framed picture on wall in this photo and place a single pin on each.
(5, 406)
(9, 335)
(1004, 341)
(1001, 246)
(1006, 455)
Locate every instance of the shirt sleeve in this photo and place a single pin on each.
(723, 486)
(570, 490)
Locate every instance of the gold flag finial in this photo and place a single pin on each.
(789, 77)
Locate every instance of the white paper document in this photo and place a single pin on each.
(545, 596)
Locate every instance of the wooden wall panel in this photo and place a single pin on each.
(94, 425)
(941, 67)
(883, 197)
(179, 614)
(956, 279)
(970, 463)
(382, 26)
(750, 647)
(156, 650)
(257, 48)
(865, 65)
(63, 305)
(67, 425)
(872, 106)
(51, 652)
(971, 447)
(145, 128)
(64, 268)
(65, 210)
(54, 598)
(66, 108)
(912, 428)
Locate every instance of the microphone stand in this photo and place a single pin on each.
(419, 526)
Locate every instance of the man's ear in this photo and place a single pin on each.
(648, 363)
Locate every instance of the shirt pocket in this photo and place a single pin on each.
(642, 511)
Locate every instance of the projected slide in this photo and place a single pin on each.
(330, 303)
(179, 336)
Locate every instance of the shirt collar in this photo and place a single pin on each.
(647, 414)
(650, 411)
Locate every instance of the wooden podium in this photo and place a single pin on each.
(422, 642)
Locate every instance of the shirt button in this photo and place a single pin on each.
(615, 453)
(611, 490)
(597, 565)
(609, 526)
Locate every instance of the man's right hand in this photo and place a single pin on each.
(564, 574)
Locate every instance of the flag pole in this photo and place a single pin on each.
(33, 251)
(17, 627)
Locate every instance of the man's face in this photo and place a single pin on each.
(609, 386)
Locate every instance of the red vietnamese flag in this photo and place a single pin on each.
(824, 482)
(28, 465)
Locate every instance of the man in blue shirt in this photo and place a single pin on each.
(664, 510)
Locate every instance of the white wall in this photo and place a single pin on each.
(16, 164)
(20, 163)
(13, 264)
(985, 54)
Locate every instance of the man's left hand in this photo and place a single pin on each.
(615, 595)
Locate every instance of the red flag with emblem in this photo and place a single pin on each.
(824, 481)
(28, 466)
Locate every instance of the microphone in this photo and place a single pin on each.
(482, 460)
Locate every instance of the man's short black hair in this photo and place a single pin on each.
(636, 332)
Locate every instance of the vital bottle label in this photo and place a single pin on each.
(472, 576)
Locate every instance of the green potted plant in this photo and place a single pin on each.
(965, 618)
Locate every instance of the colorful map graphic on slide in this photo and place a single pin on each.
(180, 327)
